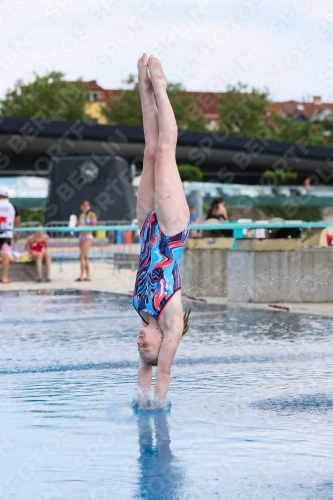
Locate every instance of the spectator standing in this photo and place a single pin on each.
(9, 218)
(87, 218)
(37, 247)
(307, 185)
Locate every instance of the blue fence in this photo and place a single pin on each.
(221, 226)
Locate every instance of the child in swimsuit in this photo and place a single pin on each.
(87, 218)
(37, 247)
(163, 216)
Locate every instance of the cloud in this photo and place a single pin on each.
(205, 45)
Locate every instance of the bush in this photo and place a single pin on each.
(31, 214)
(190, 173)
(301, 212)
(279, 176)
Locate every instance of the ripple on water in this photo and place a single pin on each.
(68, 365)
(305, 403)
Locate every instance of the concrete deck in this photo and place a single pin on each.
(106, 279)
(316, 308)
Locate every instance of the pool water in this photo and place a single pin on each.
(250, 414)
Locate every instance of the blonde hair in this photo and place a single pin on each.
(185, 329)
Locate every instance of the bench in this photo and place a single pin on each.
(22, 271)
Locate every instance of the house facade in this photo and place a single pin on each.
(207, 102)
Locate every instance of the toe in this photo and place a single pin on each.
(143, 59)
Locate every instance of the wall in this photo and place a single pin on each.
(204, 272)
(247, 276)
(300, 276)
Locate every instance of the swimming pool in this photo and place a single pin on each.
(251, 404)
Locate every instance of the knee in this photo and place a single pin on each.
(150, 152)
(164, 147)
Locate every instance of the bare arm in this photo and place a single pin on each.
(144, 378)
(165, 358)
(47, 241)
(172, 326)
(93, 218)
(225, 213)
(17, 223)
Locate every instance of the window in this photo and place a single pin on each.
(94, 96)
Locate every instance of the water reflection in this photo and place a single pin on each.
(86, 299)
(160, 476)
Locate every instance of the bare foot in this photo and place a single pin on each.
(143, 76)
(156, 74)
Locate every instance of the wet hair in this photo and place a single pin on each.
(186, 323)
(185, 329)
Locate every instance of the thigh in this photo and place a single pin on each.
(45, 254)
(170, 202)
(146, 189)
(5, 246)
(36, 255)
(86, 244)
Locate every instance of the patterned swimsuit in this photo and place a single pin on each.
(158, 276)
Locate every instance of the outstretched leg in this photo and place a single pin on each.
(146, 191)
(170, 203)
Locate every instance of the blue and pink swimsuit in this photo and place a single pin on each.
(158, 277)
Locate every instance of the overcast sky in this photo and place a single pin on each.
(285, 45)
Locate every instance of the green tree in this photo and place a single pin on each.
(190, 173)
(49, 97)
(244, 113)
(247, 113)
(327, 130)
(125, 107)
(287, 130)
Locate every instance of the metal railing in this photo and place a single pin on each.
(201, 226)
(109, 245)
(124, 253)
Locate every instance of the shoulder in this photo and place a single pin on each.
(16, 210)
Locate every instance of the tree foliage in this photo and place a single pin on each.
(246, 112)
(327, 130)
(125, 107)
(48, 97)
(190, 173)
(242, 113)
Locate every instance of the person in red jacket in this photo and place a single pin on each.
(37, 247)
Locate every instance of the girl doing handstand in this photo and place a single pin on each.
(163, 216)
